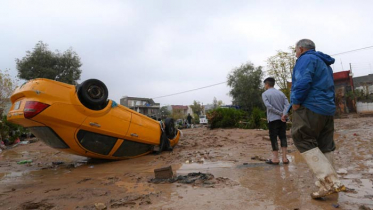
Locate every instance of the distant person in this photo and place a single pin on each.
(277, 105)
(312, 100)
(189, 119)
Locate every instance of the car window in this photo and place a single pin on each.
(131, 149)
(49, 137)
(95, 142)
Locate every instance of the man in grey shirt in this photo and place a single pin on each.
(277, 105)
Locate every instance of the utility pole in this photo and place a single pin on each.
(352, 81)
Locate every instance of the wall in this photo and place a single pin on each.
(364, 107)
(367, 89)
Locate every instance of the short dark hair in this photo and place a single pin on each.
(270, 81)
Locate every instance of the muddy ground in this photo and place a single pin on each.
(239, 182)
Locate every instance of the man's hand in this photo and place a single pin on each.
(296, 106)
(283, 118)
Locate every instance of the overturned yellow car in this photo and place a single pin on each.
(81, 120)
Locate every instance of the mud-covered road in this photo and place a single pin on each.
(239, 182)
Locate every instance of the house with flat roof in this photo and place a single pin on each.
(145, 106)
(364, 83)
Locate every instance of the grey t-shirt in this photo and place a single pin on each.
(276, 103)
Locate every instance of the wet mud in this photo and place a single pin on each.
(228, 177)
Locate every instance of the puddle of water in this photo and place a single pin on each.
(218, 169)
(135, 187)
(13, 155)
(10, 154)
(22, 175)
(364, 189)
(295, 157)
(351, 176)
(205, 167)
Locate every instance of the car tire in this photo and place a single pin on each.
(170, 128)
(93, 94)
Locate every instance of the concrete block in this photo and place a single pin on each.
(163, 173)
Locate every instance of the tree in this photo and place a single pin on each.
(7, 86)
(196, 107)
(217, 103)
(43, 63)
(280, 66)
(246, 86)
(165, 112)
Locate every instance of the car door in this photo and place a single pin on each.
(114, 123)
(144, 129)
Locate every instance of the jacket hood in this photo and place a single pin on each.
(326, 58)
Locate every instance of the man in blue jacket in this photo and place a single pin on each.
(312, 100)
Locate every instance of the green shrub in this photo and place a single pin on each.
(9, 129)
(225, 118)
(256, 119)
(195, 119)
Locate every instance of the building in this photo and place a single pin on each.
(343, 86)
(145, 106)
(364, 83)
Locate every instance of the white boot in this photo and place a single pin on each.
(327, 177)
(330, 156)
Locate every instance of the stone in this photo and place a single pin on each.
(100, 206)
(163, 173)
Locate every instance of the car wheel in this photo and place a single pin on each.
(93, 94)
(170, 128)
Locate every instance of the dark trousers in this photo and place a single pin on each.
(277, 128)
(311, 130)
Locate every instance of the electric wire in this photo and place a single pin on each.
(364, 48)
(190, 90)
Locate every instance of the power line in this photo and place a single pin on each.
(364, 48)
(190, 90)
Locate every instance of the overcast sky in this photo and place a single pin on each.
(156, 48)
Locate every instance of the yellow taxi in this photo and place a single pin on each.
(81, 120)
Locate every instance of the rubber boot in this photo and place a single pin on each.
(328, 181)
(330, 156)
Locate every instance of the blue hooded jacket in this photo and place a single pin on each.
(313, 85)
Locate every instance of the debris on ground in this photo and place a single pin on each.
(363, 207)
(266, 138)
(335, 205)
(100, 206)
(33, 140)
(256, 157)
(37, 205)
(202, 179)
(188, 179)
(163, 173)
(24, 161)
(341, 171)
(56, 163)
(133, 200)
